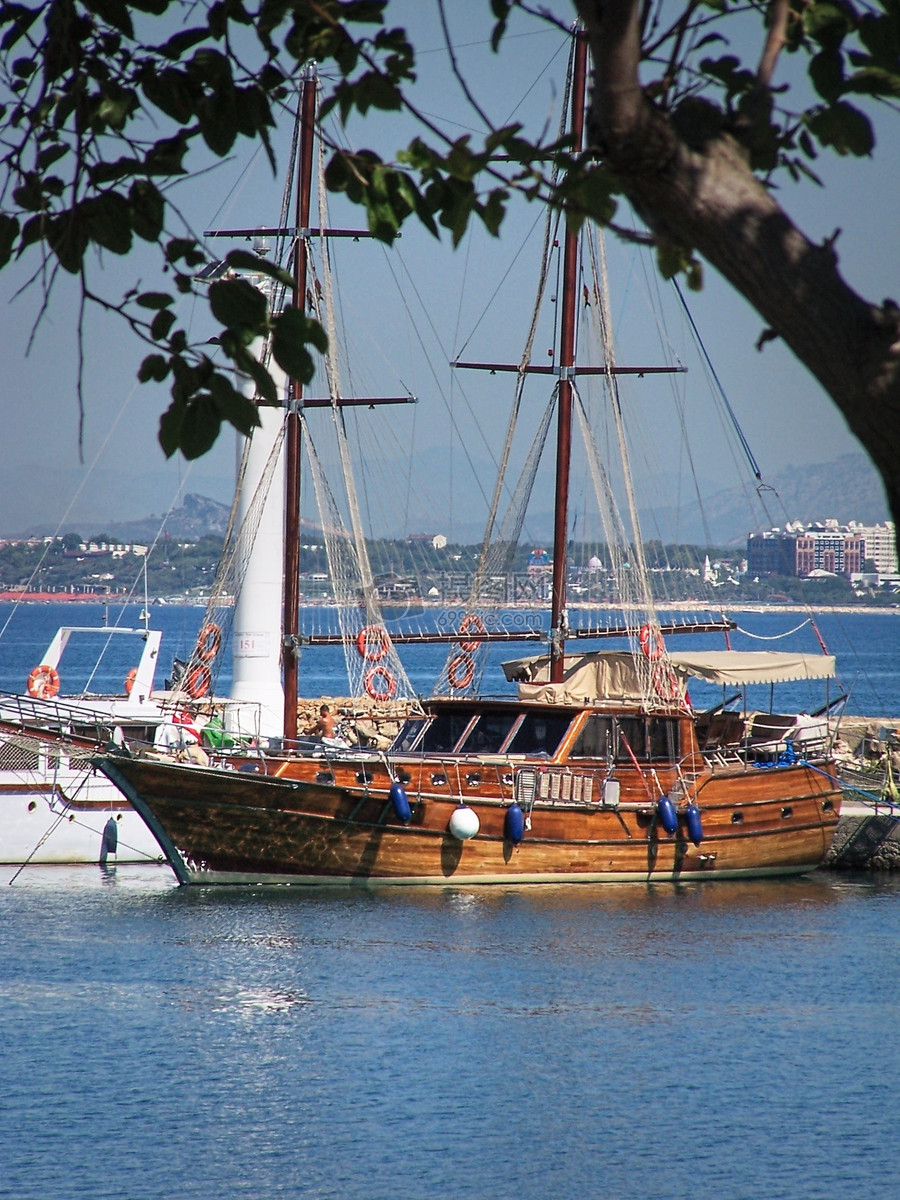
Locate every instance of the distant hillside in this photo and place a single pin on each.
(847, 488)
(196, 518)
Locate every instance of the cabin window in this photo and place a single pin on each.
(406, 738)
(595, 739)
(489, 733)
(632, 736)
(540, 733)
(445, 731)
(663, 735)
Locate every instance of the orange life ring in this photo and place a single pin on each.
(43, 682)
(129, 680)
(665, 682)
(198, 681)
(471, 623)
(383, 676)
(651, 647)
(460, 672)
(372, 634)
(209, 640)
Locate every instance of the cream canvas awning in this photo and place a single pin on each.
(615, 674)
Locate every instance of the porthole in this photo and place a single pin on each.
(363, 777)
(325, 777)
(787, 812)
(439, 779)
(473, 779)
(737, 818)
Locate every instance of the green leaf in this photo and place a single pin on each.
(200, 426)
(9, 231)
(844, 128)
(250, 366)
(232, 406)
(826, 71)
(235, 302)
(154, 300)
(292, 332)
(107, 220)
(153, 367)
(113, 12)
(218, 122)
(161, 324)
(147, 209)
(68, 240)
(170, 424)
(244, 260)
(171, 92)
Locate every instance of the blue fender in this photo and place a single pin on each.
(694, 824)
(109, 842)
(514, 824)
(399, 800)
(667, 814)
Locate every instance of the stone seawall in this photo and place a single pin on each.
(865, 841)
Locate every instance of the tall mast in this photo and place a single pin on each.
(558, 617)
(291, 614)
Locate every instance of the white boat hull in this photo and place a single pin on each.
(61, 816)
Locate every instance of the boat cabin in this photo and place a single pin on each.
(477, 728)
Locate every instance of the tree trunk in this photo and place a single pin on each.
(708, 199)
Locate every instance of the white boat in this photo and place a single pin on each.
(54, 807)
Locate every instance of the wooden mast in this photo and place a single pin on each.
(291, 614)
(558, 618)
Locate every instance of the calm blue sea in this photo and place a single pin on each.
(705, 1042)
(866, 645)
(712, 1041)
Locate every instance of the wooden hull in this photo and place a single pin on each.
(229, 826)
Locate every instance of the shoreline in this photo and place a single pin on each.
(686, 606)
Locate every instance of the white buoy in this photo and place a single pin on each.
(464, 823)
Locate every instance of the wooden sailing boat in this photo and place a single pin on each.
(598, 771)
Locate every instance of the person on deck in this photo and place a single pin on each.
(324, 727)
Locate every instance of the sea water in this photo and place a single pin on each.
(866, 645)
(708, 1041)
(699, 1042)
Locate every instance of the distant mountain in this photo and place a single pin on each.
(36, 502)
(847, 488)
(197, 517)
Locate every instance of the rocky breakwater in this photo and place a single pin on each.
(867, 837)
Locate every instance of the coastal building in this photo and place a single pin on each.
(824, 547)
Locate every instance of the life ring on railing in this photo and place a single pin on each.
(665, 682)
(43, 682)
(372, 643)
(129, 680)
(198, 681)
(652, 647)
(380, 683)
(471, 623)
(460, 672)
(209, 640)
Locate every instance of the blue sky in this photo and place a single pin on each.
(786, 417)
